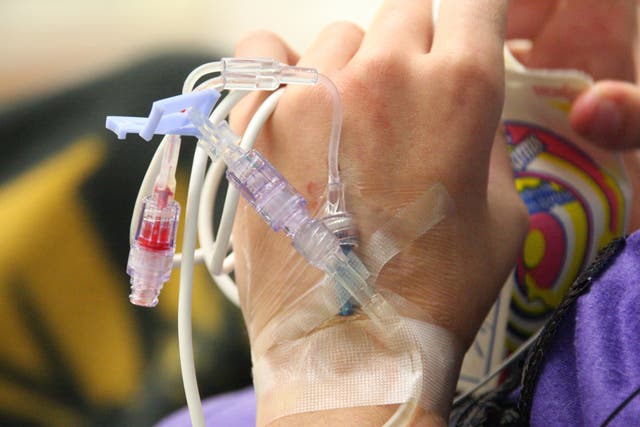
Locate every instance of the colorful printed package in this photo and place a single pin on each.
(578, 197)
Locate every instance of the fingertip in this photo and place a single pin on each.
(582, 110)
(598, 117)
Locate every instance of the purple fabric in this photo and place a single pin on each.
(592, 367)
(236, 409)
(594, 363)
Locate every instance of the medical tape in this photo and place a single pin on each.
(309, 359)
(405, 227)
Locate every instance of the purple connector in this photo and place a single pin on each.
(151, 255)
(281, 206)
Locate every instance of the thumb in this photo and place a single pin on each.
(608, 114)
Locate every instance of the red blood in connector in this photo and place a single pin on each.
(156, 234)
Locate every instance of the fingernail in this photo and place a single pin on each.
(605, 119)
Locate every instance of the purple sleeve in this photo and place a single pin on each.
(592, 371)
(236, 409)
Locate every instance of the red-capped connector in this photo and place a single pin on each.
(151, 256)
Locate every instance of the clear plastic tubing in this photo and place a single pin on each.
(268, 74)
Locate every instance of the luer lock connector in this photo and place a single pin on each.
(151, 254)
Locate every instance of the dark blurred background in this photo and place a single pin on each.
(74, 352)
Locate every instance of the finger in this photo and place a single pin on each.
(590, 35)
(259, 44)
(502, 188)
(334, 47)
(501, 173)
(510, 212)
(609, 115)
(526, 18)
(472, 26)
(401, 25)
(265, 44)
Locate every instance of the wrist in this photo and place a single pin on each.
(359, 416)
(353, 368)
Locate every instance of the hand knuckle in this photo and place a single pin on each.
(478, 79)
(255, 36)
(343, 29)
(383, 66)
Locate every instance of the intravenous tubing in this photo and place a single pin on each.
(283, 208)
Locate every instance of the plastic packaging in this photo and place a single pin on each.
(577, 194)
(578, 197)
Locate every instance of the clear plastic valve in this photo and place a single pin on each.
(151, 255)
(281, 206)
(239, 81)
(250, 65)
(298, 75)
(263, 74)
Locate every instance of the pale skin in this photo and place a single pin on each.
(407, 89)
(436, 94)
